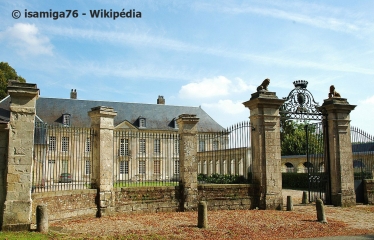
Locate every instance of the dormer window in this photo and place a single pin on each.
(66, 119)
(142, 122)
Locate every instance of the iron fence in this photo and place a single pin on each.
(62, 158)
(225, 153)
(363, 154)
(145, 158)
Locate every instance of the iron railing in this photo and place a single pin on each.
(62, 158)
(363, 154)
(226, 152)
(145, 158)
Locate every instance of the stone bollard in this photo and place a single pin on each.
(42, 218)
(289, 203)
(321, 217)
(202, 217)
(305, 198)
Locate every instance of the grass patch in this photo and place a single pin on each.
(25, 235)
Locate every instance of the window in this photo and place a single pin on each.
(215, 145)
(175, 123)
(142, 122)
(201, 146)
(52, 143)
(157, 146)
(124, 147)
(65, 144)
(176, 146)
(141, 167)
(88, 167)
(156, 167)
(64, 166)
(176, 167)
(124, 167)
(88, 145)
(142, 148)
(66, 119)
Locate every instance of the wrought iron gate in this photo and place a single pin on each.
(317, 162)
(300, 105)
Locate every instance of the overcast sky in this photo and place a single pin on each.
(211, 54)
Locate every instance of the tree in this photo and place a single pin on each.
(7, 73)
(294, 138)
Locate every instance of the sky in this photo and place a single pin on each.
(211, 54)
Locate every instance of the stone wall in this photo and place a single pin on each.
(369, 191)
(227, 196)
(146, 199)
(66, 204)
(74, 203)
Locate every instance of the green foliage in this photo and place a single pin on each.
(6, 73)
(363, 175)
(295, 180)
(294, 139)
(222, 179)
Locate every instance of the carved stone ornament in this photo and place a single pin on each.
(333, 93)
(264, 86)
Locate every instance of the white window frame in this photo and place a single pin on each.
(64, 144)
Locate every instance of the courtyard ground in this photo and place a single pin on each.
(233, 224)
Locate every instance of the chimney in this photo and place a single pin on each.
(161, 100)
(73, 94)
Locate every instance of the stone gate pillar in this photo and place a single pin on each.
(266, 148)
(340, 151)
(102, 165)
(188, 161)
(18, 202)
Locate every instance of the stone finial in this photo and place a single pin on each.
(333, 93)
(264, 86)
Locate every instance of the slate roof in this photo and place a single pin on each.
(363, 147)
(158, 116)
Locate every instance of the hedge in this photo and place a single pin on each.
(295, 180)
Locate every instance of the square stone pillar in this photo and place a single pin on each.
(340, 151)
(102, 164)
(266, 148)
(188, 161)
(17, 206)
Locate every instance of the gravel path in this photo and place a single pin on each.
(238, 224)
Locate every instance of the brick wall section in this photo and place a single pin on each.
(147, 199)
(66, 204)
(369, 191)
(227, 196)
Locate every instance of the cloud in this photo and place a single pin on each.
(27, 39)
(369, 100)
(213, 87)
(226, 106)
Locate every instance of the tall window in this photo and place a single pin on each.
(142, 148)
(64, 166)
(176, 167)
(141, 167)
(88, 145)
(215, 145)
(65, 144)
(124, 147)
(52, 143)
(124, 167)
(88, 167)
(201, 146)
(176, 146)
(156, 167)
(157, 146)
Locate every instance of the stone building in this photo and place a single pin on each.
(146, 144)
